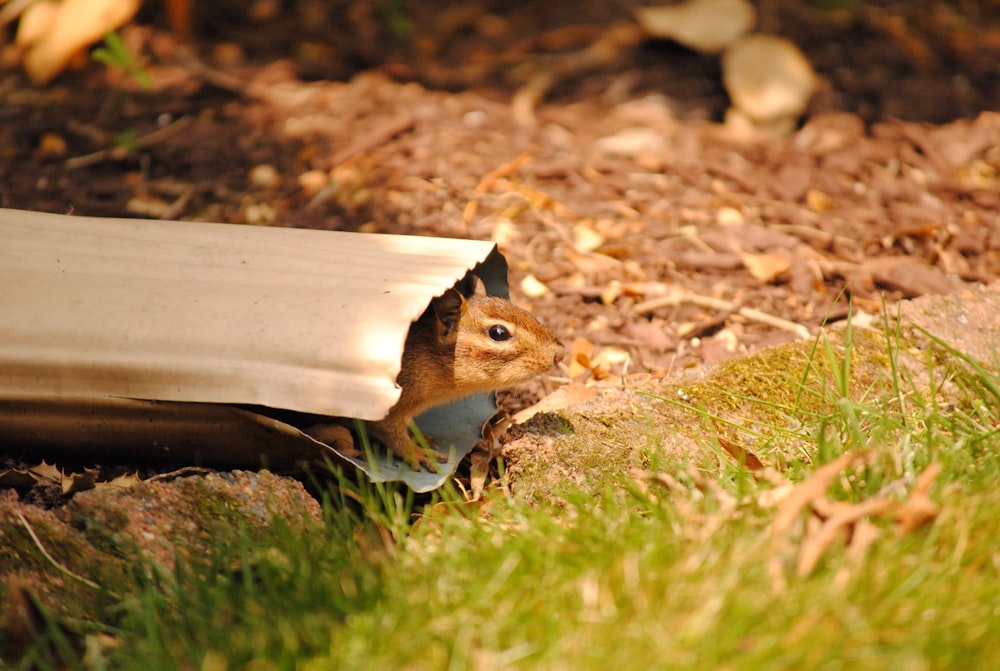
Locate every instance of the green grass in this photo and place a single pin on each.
(671, 569)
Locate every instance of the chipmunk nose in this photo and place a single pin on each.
(560, 353)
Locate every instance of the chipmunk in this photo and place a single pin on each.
(460, 346)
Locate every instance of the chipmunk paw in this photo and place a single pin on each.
(420, 458)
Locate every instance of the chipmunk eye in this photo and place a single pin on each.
(499, 333)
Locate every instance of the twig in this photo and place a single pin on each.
(176, 207)
(724, 306)
(777, 322)
(282, 95)
(62, 569)
(180, 472)
(381, 135)
(399, 124)
(610, 46)
(487, 182)
(221, 79)
(157, 135)
(736, 178)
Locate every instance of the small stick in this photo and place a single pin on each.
(777, 322)
(223, 80)
(401, 123)
(612, 44)
(487, 183)
(175, 209)
(157, 135)
(180, 472)
(62, 569)
(722, 305)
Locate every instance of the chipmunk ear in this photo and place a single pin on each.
(448, 309)
(478, 288)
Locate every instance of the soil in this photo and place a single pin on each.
(639, 227)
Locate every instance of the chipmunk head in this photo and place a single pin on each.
(496, 343)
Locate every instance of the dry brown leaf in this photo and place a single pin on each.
(742, 455)
(579, 357)
(838, 526)
(36, 20)
(69, 27)
(863, 536)
(126, 481)
(492, 432)
(926, 232)
(481, 457)
(833, 520)
(919, 510)
(865, 533)
(592, 263)
(632, 142)
(147, 206)
(585, 238)
(766, 267)
(808, 492)
(479, 471)
(702, 261)
(46, 471)
(652, 334)
(730, 216)
(611, 292)
(644, 289)
(718, 348)
(539, 200)
(608, 357)
(532, 287)
(562, 398)
(504, 232)
(18, 478)
(79, 482)
(911, 277)
(817, 201)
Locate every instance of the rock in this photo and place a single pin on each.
(631, 142)
(768, 79)
(708, 26)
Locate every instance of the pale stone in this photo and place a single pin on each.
(708, 26)
(768, 78)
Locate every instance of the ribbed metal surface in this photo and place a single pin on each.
(312, 321)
